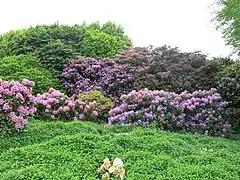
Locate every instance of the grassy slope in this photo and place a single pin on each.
(57, 150)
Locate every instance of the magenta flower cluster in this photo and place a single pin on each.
(56, 105)
(85, 74)
(197, 112)
(16, 103)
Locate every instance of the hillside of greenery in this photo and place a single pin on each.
(73, 97)
(58, 150)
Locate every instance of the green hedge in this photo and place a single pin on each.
(98, 44)
(22, 67)
(114, 30)
(54, 44)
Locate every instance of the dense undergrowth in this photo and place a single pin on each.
(58, 150)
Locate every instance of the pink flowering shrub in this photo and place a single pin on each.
(16, 105)
(56, 105)
(197, 112)
(103, 103)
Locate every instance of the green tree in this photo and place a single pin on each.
(228, 21)
(54, 44)
(114, 30)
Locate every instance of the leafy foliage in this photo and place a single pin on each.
(98, 44)
(228, 21)
(17, 68)
(54, 45)
(232, 71)
(223, 63)
(57, 150)
(114, 30)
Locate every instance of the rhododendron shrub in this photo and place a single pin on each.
(56, 105)
(85, 74)
(167, 68)
(197, 112)
(16, 105)
(229, 88)
(103, 103)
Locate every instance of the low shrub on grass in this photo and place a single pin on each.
(103, 103)
(16, 105)
(197, 112)
(56, 105)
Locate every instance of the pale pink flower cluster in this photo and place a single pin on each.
(28, 83)
(56, 105)
(115, 169)
(16, 102)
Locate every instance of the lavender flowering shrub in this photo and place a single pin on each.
(85, 74)
(197, 112)
(56, 105)
(16, 105)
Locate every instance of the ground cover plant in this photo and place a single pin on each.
(75, 150)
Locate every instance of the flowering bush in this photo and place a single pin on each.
(167, 68)
(116, 169)
(16, 105)
(197, 112)
(56, 105)
(85, 74)
(229, 88)
(103, 103)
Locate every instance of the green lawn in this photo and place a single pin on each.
(57, 150)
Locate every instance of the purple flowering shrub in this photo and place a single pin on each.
(85, 74)
(197, 112)
(16, 105)
(56, 105)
